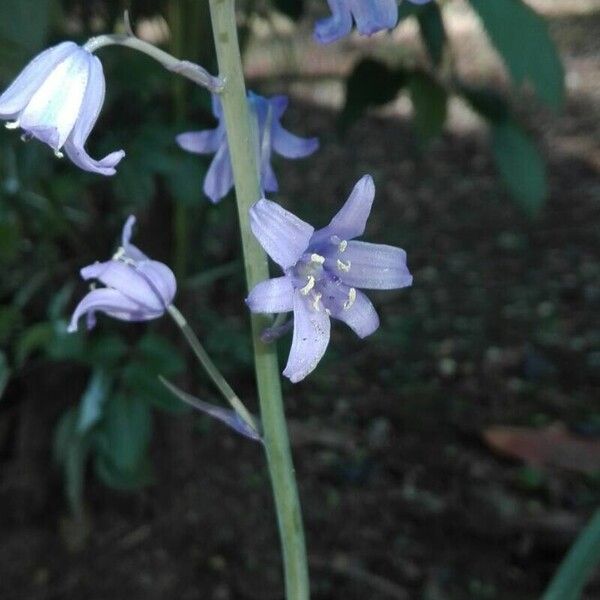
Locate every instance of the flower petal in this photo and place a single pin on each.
(374, 15)
(90, 110)
(57, 102)
(268, 179)
(283, 235)
(219, 178)
(291, 146)
(201, 142)
(272, 296)
(371, 266)
(19, 93)
(351, 219)
(128, 282)
(310, 340)
(337, 26)
(131, 251)
(111, 302)
(160, 278)
(351, 307)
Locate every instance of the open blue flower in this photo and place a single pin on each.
(323, 270)
(370, 16)
(137, 288)
(57, 99)
(270, 137)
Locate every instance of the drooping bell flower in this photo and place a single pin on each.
(136, 287)
(57, 99)
(370, 16)
(270, 137)
(323, 271)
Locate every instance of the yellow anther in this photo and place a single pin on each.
(343, 266)
(351, 299)
(13, 125)
(316, 300)
(317, 258)
(309, 286)
(342, 245)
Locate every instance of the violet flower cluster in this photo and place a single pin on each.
(271, 137)
(137, 288)
(323, 271)
(370, 16)
(57, 99)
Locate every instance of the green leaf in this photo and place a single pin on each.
(123, 479)
(520, 165)
(432, 29)
(430, 102)
(124, 433)
(4, 373)
(371, 83)
(92, 401)
(36, 337)
(521, 36)
(159, 356)
(487, 102)
(294, 9)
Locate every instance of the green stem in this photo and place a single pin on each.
(245, 170)
(210, 367)
(583, 557)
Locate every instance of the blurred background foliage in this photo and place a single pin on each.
(98, 392)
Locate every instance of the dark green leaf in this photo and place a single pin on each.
(4, 373)
(123, 479)
(36, 337)
(520, 165)
(159, 356)
(292, 8)
(486, 101)
(371, 83)
(92, 401)
(522, 38)
(430, 101)
(433, 31)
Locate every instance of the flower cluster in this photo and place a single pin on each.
(57, 99)
(270, 137)
(370, 16)
(323, 270)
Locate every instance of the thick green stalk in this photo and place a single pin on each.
(241, 138)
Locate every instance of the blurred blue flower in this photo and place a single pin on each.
(137, 288)
(323, 270)
(370, 16)
(270, 136)
(57, 99)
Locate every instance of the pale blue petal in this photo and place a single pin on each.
(131, 251)
(337, 26)
(219, 178)
(283, 235)
(371, 266)
(201, 142)
(160, 278)
(90, 110)
(291, 146)
(272, 296)
(19, 93)
(310, 340)
(268, 179)
(112, 303)
(374, 15)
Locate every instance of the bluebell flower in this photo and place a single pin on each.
(57, 99)
(136, 287)
(270, 137)
(323, 270)
(370, 16)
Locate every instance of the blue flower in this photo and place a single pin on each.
(271, 136)
(323, 270)
(371, 16)
(57, 99)
(137, 288)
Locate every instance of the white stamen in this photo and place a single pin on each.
(58, 154)
(343, 266)
(351, 299)
(328, 312)
(342, 246)
(13, 125)
(317, 258)
(317, 299)
(309, 286)
(119, 254)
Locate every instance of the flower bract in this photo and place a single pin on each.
(324, 271)
(270, 136)
(57, 99)
(136, 287)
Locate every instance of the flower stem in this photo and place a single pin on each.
(247, 186)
